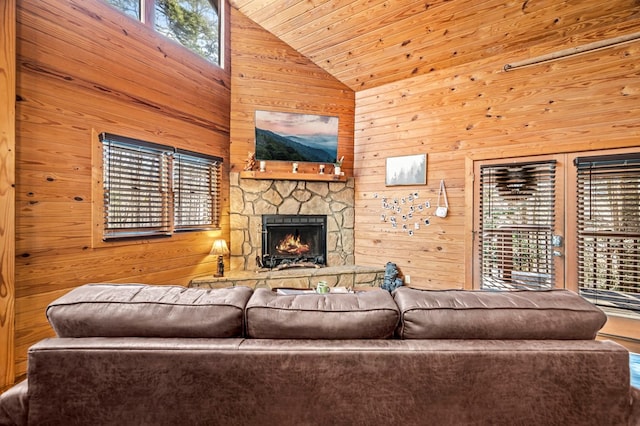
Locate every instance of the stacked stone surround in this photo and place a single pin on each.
(252, 198)
(349, 276)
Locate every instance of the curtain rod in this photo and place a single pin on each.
(573, 51)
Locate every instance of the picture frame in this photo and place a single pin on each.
(406, 170)
(295, 137)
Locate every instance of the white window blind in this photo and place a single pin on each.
(155, 190)
(196, 180)
(608, 227)
(517, 219)
(136, 190)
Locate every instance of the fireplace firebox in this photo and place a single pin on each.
(293, 240)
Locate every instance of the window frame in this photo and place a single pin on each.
(147, 18)
(140, 170)
(618, 324)
(99, 234)
(499, 201)
(196, 164)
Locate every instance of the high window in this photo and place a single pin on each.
(155, 190)
(195, 24)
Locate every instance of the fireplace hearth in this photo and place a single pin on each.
(293, 241)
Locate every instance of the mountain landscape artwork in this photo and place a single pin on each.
(284, 136)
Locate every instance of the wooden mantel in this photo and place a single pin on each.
(327, 177)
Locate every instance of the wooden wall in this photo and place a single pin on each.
(83, 68)
(7, 192)
(477, 110)
(269, 75)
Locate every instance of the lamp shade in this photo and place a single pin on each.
(219, 248)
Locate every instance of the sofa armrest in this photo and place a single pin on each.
(634, 417)
(14, 405)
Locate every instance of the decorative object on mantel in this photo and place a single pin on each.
(219, 248)
(250, 162)
(263, 166)
(321, 169)
(441, 211)
(294, 168)
(406, 170)
(391, 280)
(337, 166)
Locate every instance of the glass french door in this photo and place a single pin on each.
(519, 224)
(562, 221)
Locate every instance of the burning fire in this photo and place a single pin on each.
(292, 245)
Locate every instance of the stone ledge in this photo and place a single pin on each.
(349, 276)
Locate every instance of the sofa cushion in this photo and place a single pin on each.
(362, 315)
(461, 314)
(137, 310)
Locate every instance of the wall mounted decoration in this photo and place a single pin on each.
(405, 213)
(441, 210)
(293, 137)
(406, 170)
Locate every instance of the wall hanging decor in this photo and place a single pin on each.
(442, 210)
(293, 137)
(406, 213)
(406, 170)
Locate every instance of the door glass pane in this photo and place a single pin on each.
(517, 222)
(608, 231)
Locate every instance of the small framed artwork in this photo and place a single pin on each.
(406, 170)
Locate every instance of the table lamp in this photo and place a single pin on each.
(219, 248)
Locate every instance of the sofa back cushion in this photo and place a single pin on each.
(136, 310)
(362, 315)
(461, 314)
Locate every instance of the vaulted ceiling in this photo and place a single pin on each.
(367, 43)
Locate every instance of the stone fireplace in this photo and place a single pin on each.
(253, 199)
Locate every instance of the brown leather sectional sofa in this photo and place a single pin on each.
(162, 355)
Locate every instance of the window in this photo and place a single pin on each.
(195, 24)
(155, 190)
(195, 183)
(516, 226)
(608, 230)
(129, 7)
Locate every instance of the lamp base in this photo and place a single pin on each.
(220, 272)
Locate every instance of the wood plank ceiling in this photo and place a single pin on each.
(368, 43)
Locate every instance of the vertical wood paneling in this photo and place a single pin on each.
(85, 68)
(7, 192)
(269, 75)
